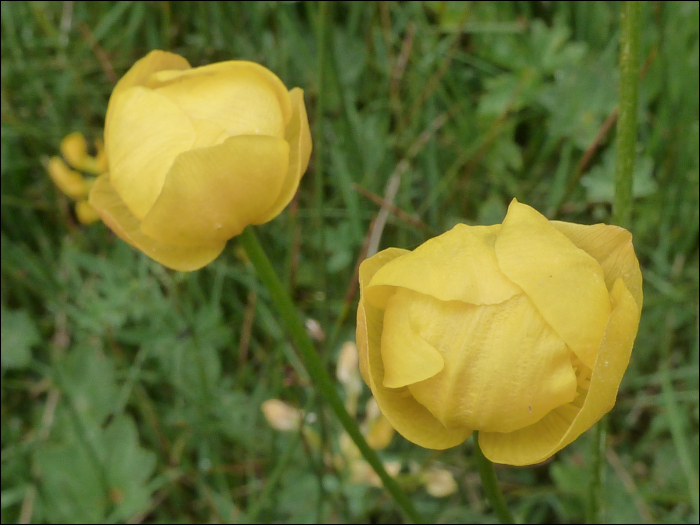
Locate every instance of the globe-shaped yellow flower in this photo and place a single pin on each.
(521, 331)
(197, 154)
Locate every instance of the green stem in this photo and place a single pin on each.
(315, 368)
(596, 475)
(321, 261)
(630, 22)
(489, 481)
(626, 142)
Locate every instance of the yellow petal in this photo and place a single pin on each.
(242, 97)
(67, 180)
(407, 357)
(298, 136)
(368, 268)
(74, 149)
(563, 425)
(438, 482)
(145, 135)
(211, 194)
(86, 213)
(282, 416)
(565, 283)
(406, 415)
(138, 75)
(505, 368)
(115, 214)
(459, 265)
(612, 247)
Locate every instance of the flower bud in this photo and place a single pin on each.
(197, 154)
(521, 330)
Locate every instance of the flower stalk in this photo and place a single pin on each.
(315, 368)
(630, 22)
(626, 141)
(489, 481)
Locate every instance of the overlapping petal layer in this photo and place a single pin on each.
(459, 265)
(406, 415)
(566, 284)
(561, 426)
(242, 97)
(139, 73)
(505, 368)
(298, 136)
(211, 194)
(115, 214)
(139, 162)
(612, 247)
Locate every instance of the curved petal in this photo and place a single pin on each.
(566, 284)
(69, 181)
(612, 247)
(368, 268)
(459, 265)
(410, 419)
(407, 357)
(115, 214)
(406, 415)
(505, 368)
(298, 136)
(563, 425)
(138, 74)
(146, 133)
(211, 194)
(74, 149)
(242, 97)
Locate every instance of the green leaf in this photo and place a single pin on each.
(600, 180)
(128, 467)
(19, 334)
(87, 377)
(71, 485)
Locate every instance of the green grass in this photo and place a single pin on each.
(132, 393)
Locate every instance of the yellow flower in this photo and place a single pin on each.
(69, 181)
(197, 154)
(520, 330)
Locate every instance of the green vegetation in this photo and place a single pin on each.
(132, 393)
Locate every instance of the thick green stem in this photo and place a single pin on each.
(315, 368)
(630, 22)
(626, 142)
(489, 481)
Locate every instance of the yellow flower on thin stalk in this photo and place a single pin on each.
(197, 154)
(521, 330)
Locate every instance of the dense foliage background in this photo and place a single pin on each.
(132, 393)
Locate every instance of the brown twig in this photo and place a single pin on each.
(395, 210)
(101, 56)
(629, 484)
